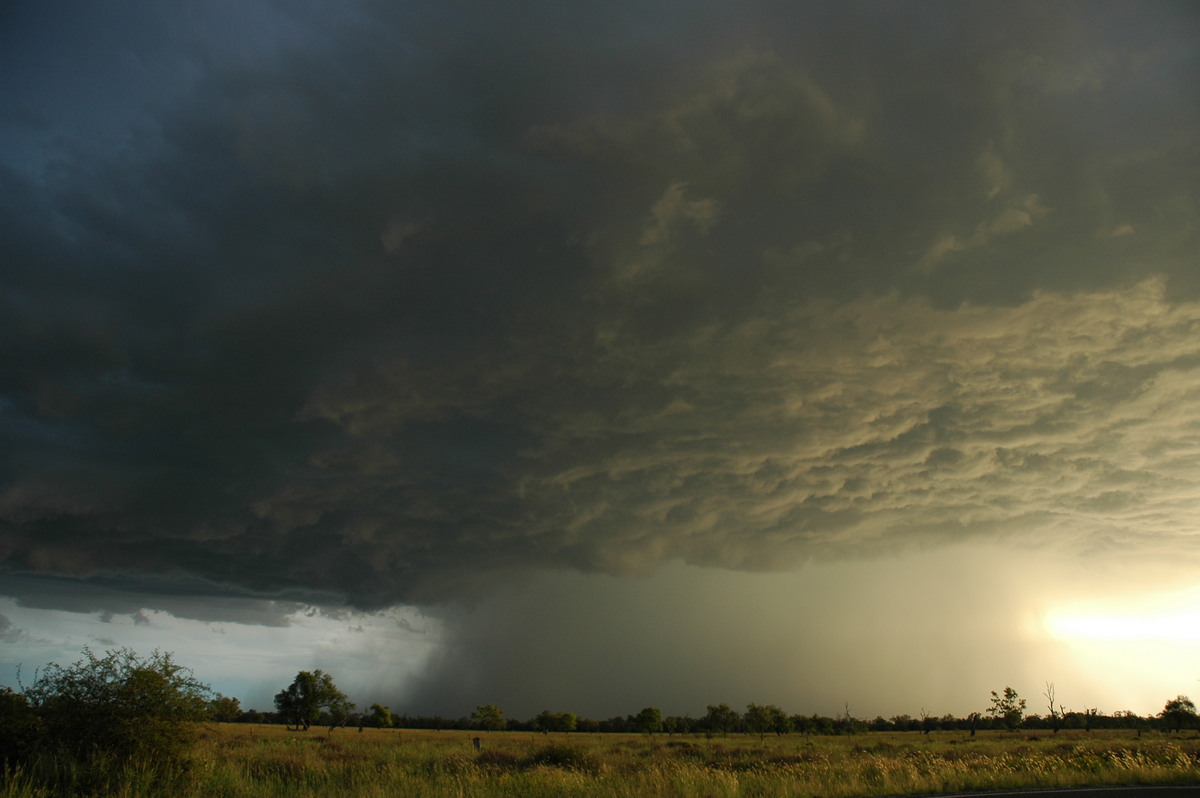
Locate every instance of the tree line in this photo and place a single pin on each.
(104, 710)
(313, 699)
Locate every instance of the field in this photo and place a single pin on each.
(247, 760)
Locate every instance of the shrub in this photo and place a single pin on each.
(19, 728)
(567, 757)
(118, 707)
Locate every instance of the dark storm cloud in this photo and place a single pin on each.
(413, 295)
(182, 597)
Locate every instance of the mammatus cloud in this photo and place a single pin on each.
(880, 422)
(825, 430)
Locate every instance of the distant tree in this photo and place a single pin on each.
(649, 720)
(721, 718)
(547, 721)
(1057, 712)
(224, 709)
(301, 703)
(381, 716)
(1007, 708)
(489, 717)
(120, 706)
(763, 718)
(1178, 713)
(780, 722)
(757, 720)
(820, 724)
(804, 724)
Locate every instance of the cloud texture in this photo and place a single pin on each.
(370, 307)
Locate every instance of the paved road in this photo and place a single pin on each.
(1185, 791)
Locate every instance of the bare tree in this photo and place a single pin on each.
(1057, 713)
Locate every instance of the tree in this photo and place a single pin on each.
(381, 716)
(762, 718)
(1178, 713)
(649, 720)
(224, 709)
(547, 721)
(119, 706)
(721, 718)
(489, 717)
(1057, 712)
(1008, 708)
(301, 702)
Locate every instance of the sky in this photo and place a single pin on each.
(592, 356)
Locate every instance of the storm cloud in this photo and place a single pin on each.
(383, 305)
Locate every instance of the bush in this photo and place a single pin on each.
(20, 729)
(118, 707)
(567, 757)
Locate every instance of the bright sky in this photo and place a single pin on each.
(606, 355)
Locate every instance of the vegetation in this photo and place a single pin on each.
(650, 720)
(302, 702)
(85, 724)
(381, 717)
(266, 760)
(1008, 708)
(1179, 713)
(489, 717)
(123, 725)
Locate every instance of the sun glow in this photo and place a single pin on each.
(1183, 626)
(1168, 618)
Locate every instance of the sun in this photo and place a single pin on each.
(1172, 617)
(1124, 626)
(1130, 651)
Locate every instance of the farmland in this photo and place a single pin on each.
(265, 760)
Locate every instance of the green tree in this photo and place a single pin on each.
(548, 721)
(721, 718)
(762, 718)
(489, 717)
(381, 716)
(301, 702)
(224, 709)
(1008, 708)
(120, 706)
(1178, 713)
(649, 720)
(781, 723)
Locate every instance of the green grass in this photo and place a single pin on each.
(239, 760)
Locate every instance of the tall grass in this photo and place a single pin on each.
(234, 761)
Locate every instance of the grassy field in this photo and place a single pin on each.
(246, 760)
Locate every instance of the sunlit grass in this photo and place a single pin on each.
(241, 760)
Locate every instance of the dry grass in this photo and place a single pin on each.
(242, 760)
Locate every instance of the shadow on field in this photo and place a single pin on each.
(566, 757)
